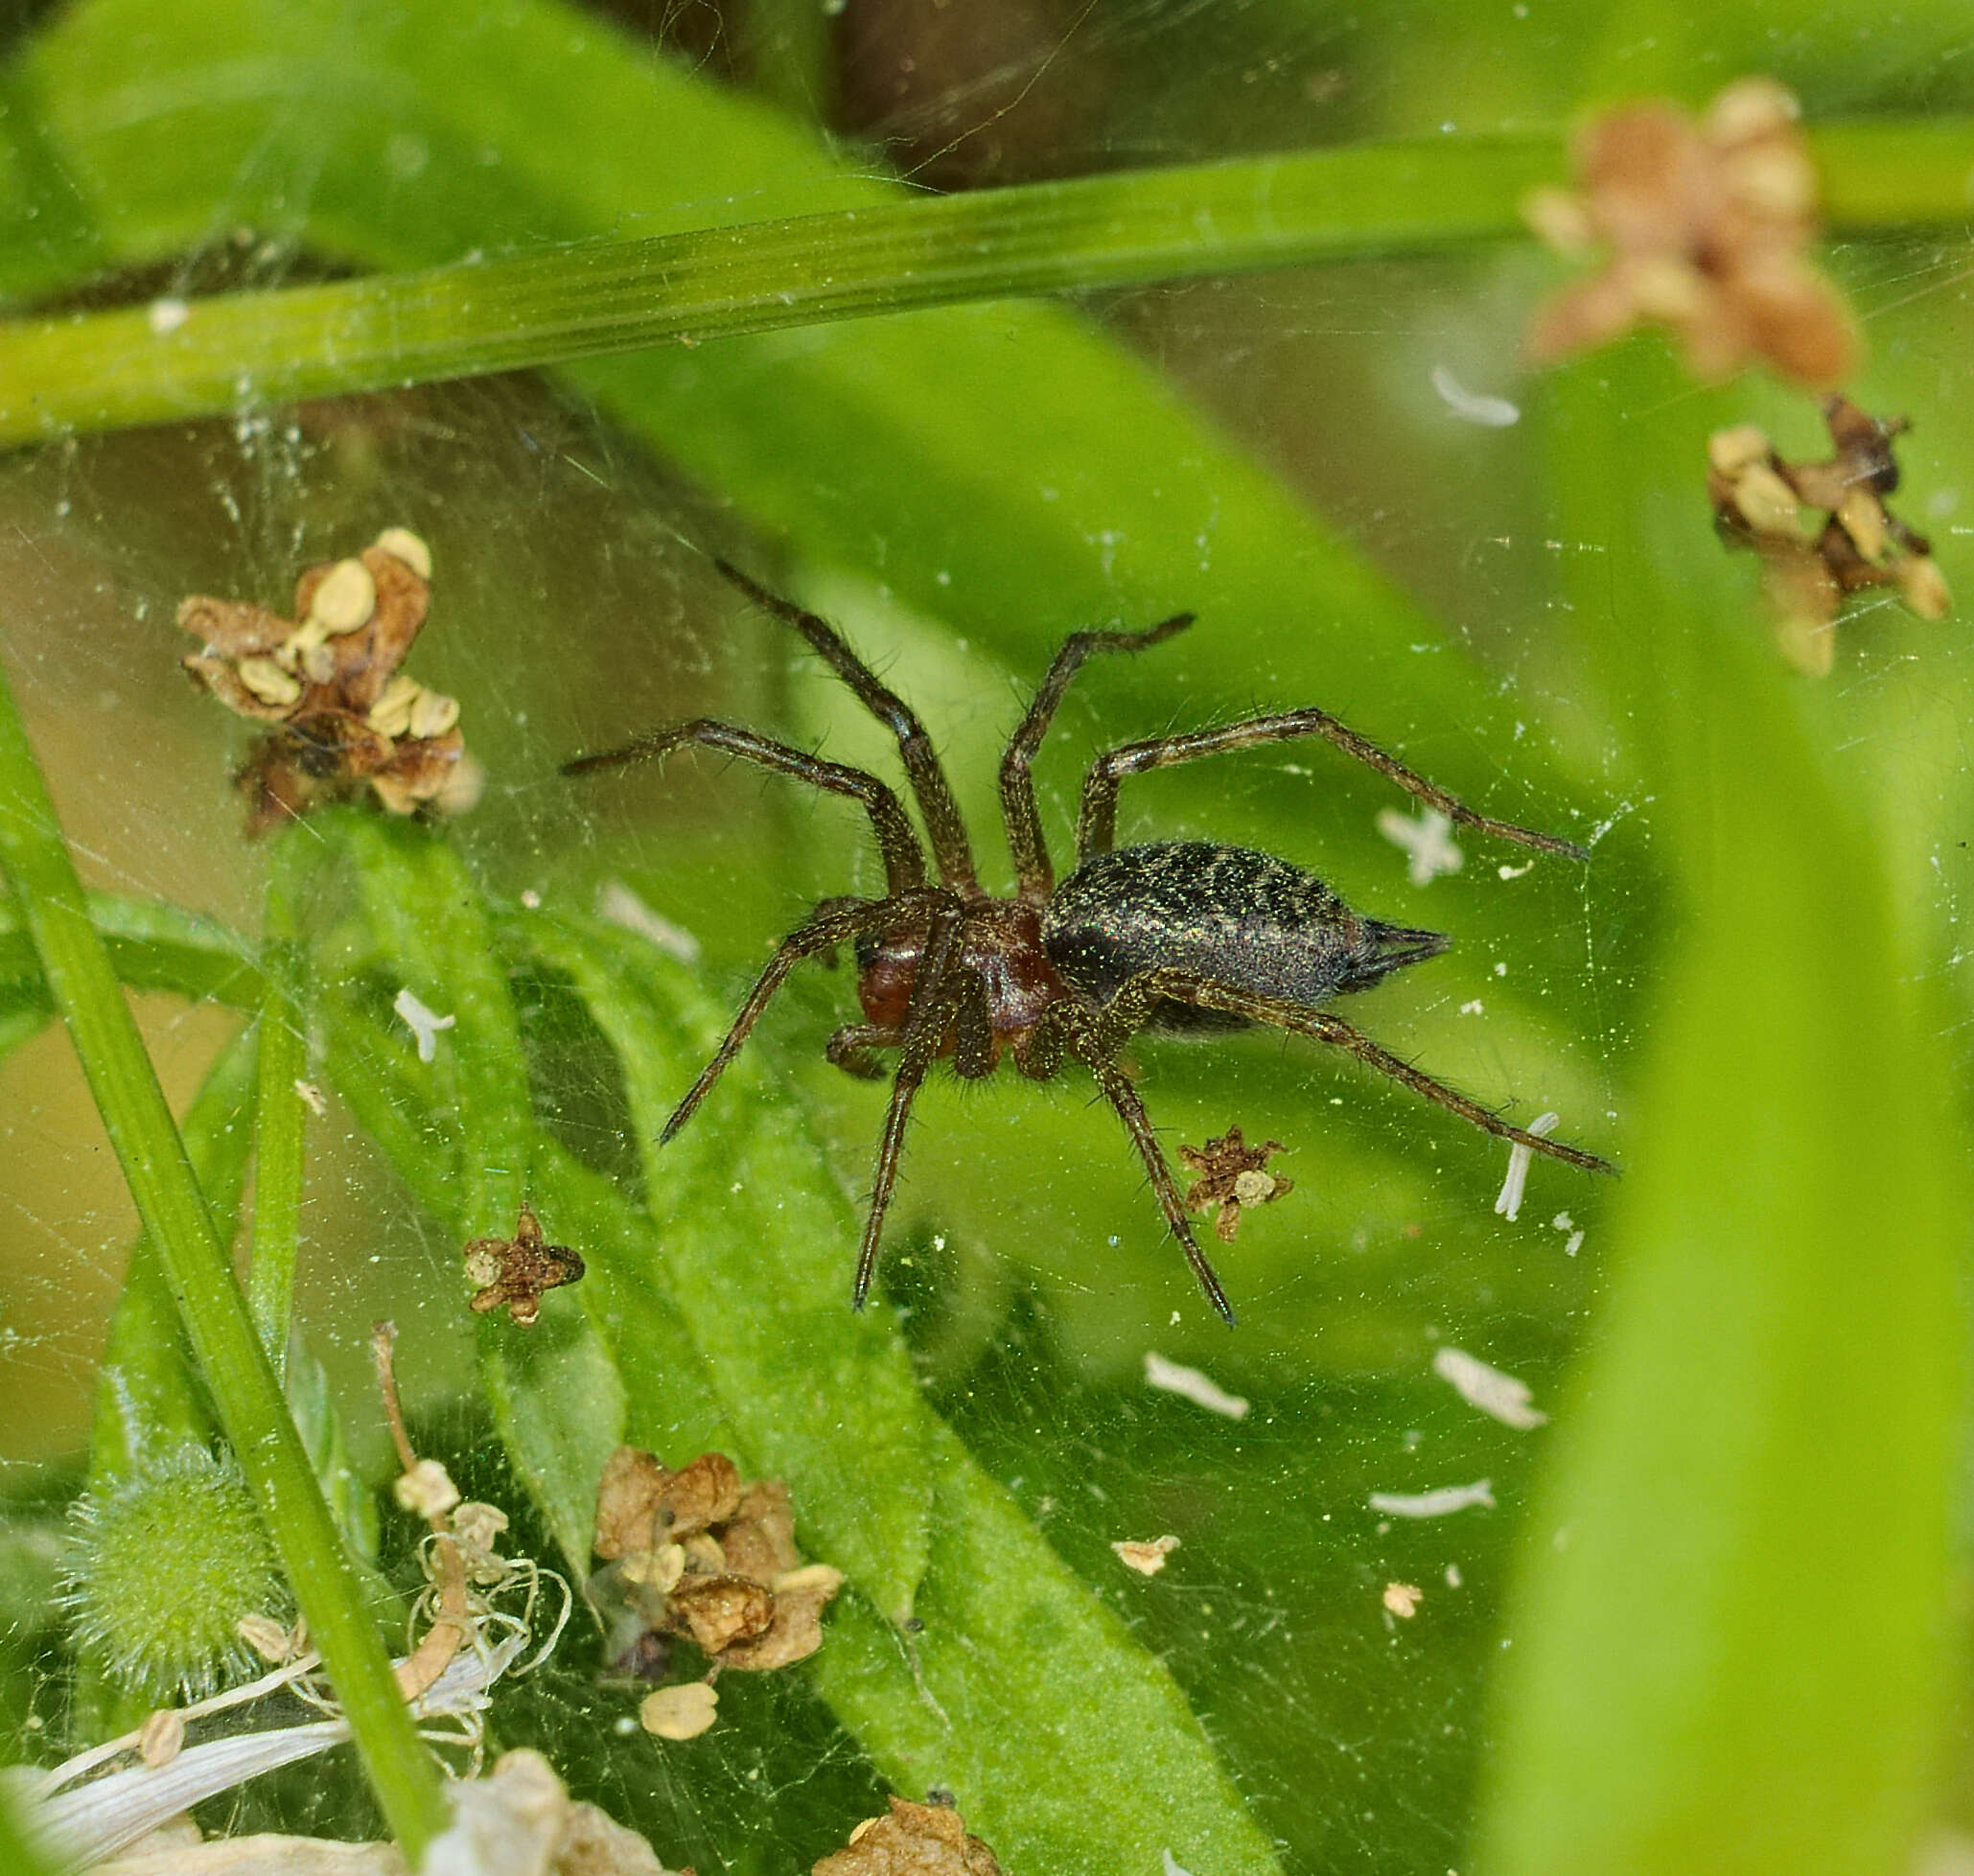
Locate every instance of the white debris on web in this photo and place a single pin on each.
(1175, 1377)
(1515, 872)
(1172, 1865)
(423, 1023)
(1402, 1599)
(166, 316)
(1429, 849)
(1474, 406)
(617, 904)
(1144, 1556)
(1509, 1203)
(1487, 1388)
(1443, 1503)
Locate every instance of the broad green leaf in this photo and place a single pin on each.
(555, 1398)
(1730, 1649)
(1068, 1743)
(659, 1397)
(820, 1397)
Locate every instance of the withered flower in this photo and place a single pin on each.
(1822, 528)
(516, 1270)
(917, 1840)
(1703, 228)
(341, 715)
(1232, 1176)
(701, 1553)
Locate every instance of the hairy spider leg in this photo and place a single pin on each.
(1097, 823)
(933, 1000)
(835, 922)
(904, 861)
(1032, 870)
(949, 844)
(1130, 1110)
(850, 1047)
(1039, 1057)
(1124, 1015)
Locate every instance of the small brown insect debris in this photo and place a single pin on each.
(1704, 227)
(517, 1270)
(917, 1840)
(1232, 1176)
(1822, 528)
(701, 1554)
(342, 716)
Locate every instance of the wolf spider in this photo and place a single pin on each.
(1189, 938)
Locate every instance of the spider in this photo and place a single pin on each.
(1176, 937)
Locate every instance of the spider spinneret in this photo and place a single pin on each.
(1172, 937)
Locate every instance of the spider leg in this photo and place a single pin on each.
(904, 863)
(1040, 1053)
(836, 922)
(1128, 1009)
(932, 1003)
(1031, 867)
(974, 1052)
(850, 1047)
(1130, 1110)
(949, 844)
(1097, 823)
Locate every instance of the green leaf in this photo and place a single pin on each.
(1069, 1745)
(820, 1397)
(149, 1389)
(1728, 1654)
(151, 946)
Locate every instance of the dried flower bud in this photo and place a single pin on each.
(268, 681)
(434, 713)
(426, 1490)
(391, 714)
(346, 598)
(401, 543)
(682, 1712)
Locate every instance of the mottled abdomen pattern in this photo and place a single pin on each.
(1226, 913)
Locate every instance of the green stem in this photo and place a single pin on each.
(112, 369)
(147, 1148)
(280, 1117)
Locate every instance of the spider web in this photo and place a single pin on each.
(573, 606)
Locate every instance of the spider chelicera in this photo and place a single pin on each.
(1187, 938)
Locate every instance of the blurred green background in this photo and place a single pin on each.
(1712, 1620)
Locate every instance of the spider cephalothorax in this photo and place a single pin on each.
(1179, 937)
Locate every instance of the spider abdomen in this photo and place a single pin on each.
(1226, 913)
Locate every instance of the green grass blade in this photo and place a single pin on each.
(60, 376)
(146, 1366)
(280, 1113)
(149, 1150)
